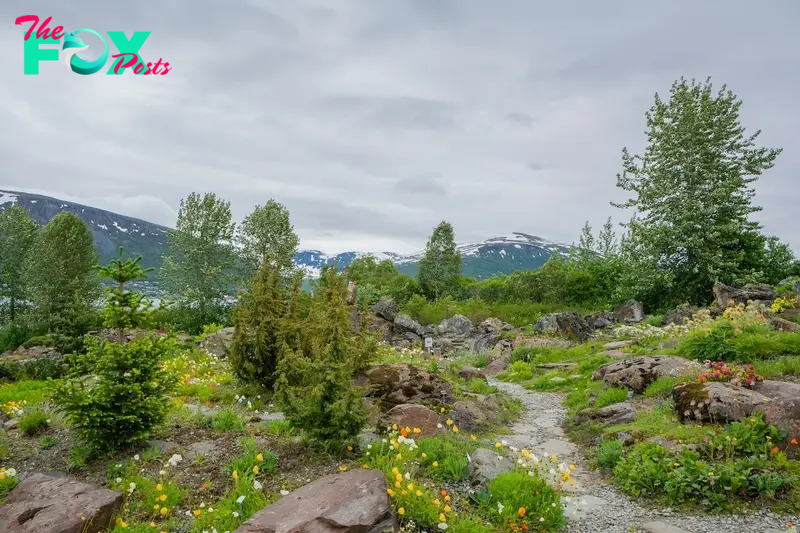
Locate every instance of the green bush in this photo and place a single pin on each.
(129, 399)
(609, 453)
(519, 371)
(7, 484)
(34, 422)
(480, 386)
(13, 335)
(743, 342)
(41, 340)
(519, 490)
(451, 455)
(610, 396)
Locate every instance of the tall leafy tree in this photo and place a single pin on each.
(17, 237)
(198, 269)
(440, 267)
(692, 190)
(59, 269)
(267, 235)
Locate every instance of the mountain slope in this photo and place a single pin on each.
(504, 254)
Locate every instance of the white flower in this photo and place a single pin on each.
(284, 492)
(407, 476)
(442, 525)
(369, 446)
(235, 514)
(249, 404)
(162, 472)
(131, 487)
(500, 508)
(541, 519)
(11, 472)
(257, 485)
(174, 460)
(119, 480)
(202, 504)
(240, 499)
(504, 442)
(439, 426)
(136, 457)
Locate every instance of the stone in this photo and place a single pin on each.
(218, 343)
(715, 402)
(679, 315)
(350, 502)
(46, 503)
(661, 527)
(398, 384)
(485, 341)
(557, 447)
(352, 293)
(454, 326)
(637, 373)
(494, 325)
(580, 507)
(386, 308)
(781, 324)
(725, 295)
(164, 447)
(468, 373)
(614, 354)
(534, 341)
(783, 410)
(201, 448)
(413, 416)
(467, 415)
(618, 345)
(618, 413)
(485, 465)
(557, 379)
(8, 425)
(407, 323)
(631, 312)
(603, 319)
(569, 324)
(497, 366)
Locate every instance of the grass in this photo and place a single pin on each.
(479, 386)
(31, 392)
(610, 396)
(660, 388)
(663, 422)
(34, 422)
(778, 368)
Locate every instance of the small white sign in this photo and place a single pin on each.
(429, 342)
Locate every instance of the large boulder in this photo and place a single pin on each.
(385, 308)
(46, 503)
(679, 315)
(570, 324)
(468, 373)
(603, 319)
(413, 416)
(725, 295)
(397, 384)
(405, 322)
(781, 324)
(454, 326)
(631, 312)
(350, 502)
(468, 416)
(637, 373)
(497, 365)
(218, 343)
(352, 293)
(485, 465)
(618, 413)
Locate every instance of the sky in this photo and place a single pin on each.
(373, 121)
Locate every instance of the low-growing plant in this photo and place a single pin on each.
(47, 442)
(34, 422)
(660, 388)
(609, 453)
(610, 396)
(8, 480)
(480, 386)
(78, 457)
(780, 304)
(226, 420)
(523, 500)
(737, 375)
(281, 428)
(519, 371)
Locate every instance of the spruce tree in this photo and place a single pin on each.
(440, 267)
(316, 387)
(692, 191)
(124, 309)
(17, 237)
(60, 271)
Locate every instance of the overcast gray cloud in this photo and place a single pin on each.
(373, 121)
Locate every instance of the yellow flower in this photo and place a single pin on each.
(410, 486)
(398, 456)
(342, 468)
(473, 437)
(447, 509)
(397, 484)
(419, 493)
(255, 469)
(398, 477)
(498, 445)
(554, 458)
(156, 507)
(441, 410)
(455, 429)
(349, 448)
(417, 430)
(163, 497)
(152, 524)
(447, 498)
(711, 473)
(449, 422)
(436, 502)
(396, 470)
(435, 464)
(424, 455)
(442, 517)
(159, 487)
(164, 511)
(394, 427)
(401, 511)
(572, 468)
(365, 465)
(196, 512)
(404, 493)
(235, 474)
(260, 457)
(390, 492)
(526, 454)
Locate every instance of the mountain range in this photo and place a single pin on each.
(503, 254)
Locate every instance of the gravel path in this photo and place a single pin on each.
(597, 507)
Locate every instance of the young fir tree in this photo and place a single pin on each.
(316, 388)
(130, 395)
(440, 268)
(17, 237)
(259, 324)
(692, 191)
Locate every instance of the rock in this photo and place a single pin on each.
(603, 319)
(494, 325)
(385, 308)
(202, 448)
(164, 447)
(8, 425)
(34, 353)
(637, 373)
(579, 508)
(485, 341)
(561, 366)
(497, 366)
(781, 324)
(218, 343)
(679, 315)
(715, 402)
(468, 373)
(570, 324)
(485, 465)
(412, 416)
(467, 415)
(454, 326)
(618, 413)
(527, 341)
(557, 379)
(725, 295)
(618, 345)
(401, 383)
(352, 293)
(614, 354)
(350, 502)
(407, 323)
(631, 312)
(53, 504)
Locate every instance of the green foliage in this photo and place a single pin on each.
(124, 309)
(660, 388)
(743, 341)
(267, 236)
(13, 335)
(518, 490)
(130, 395)
(450, 455)
(198, 270)
(610, 396)
(78, 457)
(315, 384)
(226, 420)
(259, 322)
(34, 422)
(62, 284)
(7, 484)
(692, 191)
(520, 371)
(609, 453)
(440, 267)
(480, 386)
(17, 237)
